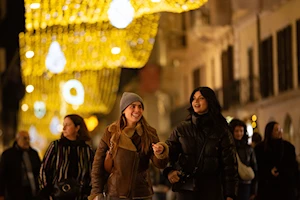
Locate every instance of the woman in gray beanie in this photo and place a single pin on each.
(121, 164)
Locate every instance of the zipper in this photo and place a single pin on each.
(134, 173)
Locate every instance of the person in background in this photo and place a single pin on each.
(68, 160)
(161, 184)
(124, 153)
(256, 138)
(277, 166)
(19, 169)
(214, 176)
(247, 189)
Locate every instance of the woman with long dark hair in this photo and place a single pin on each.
(202, 153)
(67, 163)
(121, 164)
(277, 165)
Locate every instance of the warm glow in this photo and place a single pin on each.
(91, 122)
(55, 59)
(100, 90)
(253, 124)
(35, 5)
(63, 13)
(29, 54)
(24, 107)
(76, 97)
(120, 13)
(29, 88)
(88, 47)
(115, 50)
(254, 118)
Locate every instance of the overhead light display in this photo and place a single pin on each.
(88, 47)
(120, 13)
(65, 12)
(97, 89)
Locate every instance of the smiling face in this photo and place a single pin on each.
(238, 132)
(133, 113)
(69, 129)
(199, 103)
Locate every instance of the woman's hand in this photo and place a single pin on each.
(173, 176)
(157, 148)
(229, 198)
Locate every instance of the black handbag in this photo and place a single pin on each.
(187, 181)
(66, 189)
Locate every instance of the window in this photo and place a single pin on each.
(251, 74)
(177, 31)
(227, 77)
(266, 68)
(196, 78)
(285, 65)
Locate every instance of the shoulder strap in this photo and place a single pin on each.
(200, 156)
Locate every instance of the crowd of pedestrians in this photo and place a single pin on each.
(204, 157)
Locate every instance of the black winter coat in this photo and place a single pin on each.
(217, 176)
(280, 154)
(11, 172)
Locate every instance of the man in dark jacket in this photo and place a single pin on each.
(19, 169)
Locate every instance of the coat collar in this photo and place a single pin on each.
(127, 130)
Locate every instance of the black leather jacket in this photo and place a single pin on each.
(217, 175)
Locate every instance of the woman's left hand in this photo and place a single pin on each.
(157, 148)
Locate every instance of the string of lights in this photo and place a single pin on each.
(93, 92)
(44, 13)
(89, 46)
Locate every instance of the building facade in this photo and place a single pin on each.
(247, 51)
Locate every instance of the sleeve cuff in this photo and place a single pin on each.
(92, 196)
(165, 153)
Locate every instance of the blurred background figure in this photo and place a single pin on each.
(256, 138)
(247, 189)
(277, 166)
(19, 169)
(161, 185)
(68, 161)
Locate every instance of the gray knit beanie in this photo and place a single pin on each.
(128, 98)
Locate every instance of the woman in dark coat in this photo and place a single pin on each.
(247, 188)
(215, 177)
(68, 163)
(277, 166)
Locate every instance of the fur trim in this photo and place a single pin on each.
(92, 196)
(126, 143)
(113, 127)
(128, 131)
(165, 153)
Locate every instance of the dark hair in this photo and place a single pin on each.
(256, 137)
(236, 122)
(214, 107)
(268, 133)
(83, 133)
